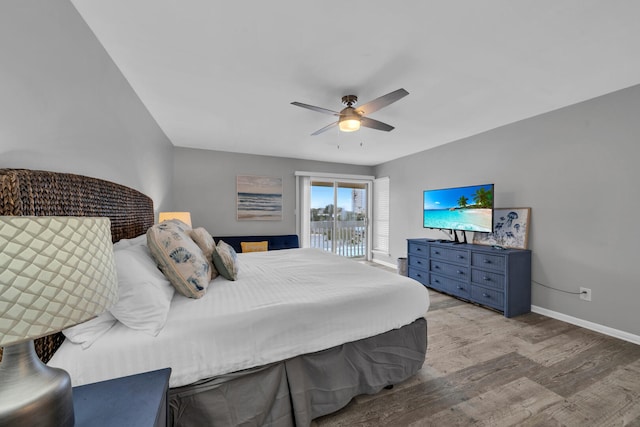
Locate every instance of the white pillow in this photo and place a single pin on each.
(144, 293)
(125, 243)
(88, 332)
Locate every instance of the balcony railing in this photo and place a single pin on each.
(350, 237)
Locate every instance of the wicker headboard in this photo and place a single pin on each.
(40, 193)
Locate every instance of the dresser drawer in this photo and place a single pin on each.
(454, 271)
(419, 262)
(489, 297)
(438, 282)
(488, 278)
(453, 287)
(421, 276)
(419, 249)
(493, 262)
(452, 255)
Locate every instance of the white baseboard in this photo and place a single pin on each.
(616, 333)
(386, 264)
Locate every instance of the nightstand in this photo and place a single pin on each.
(138, 401)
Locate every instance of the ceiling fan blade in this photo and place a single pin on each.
(374, 124)
(326, 128)
(314, 108)
(383, 101)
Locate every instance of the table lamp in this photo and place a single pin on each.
(55, 272)
(182, 216)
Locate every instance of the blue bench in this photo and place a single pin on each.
(282, 241)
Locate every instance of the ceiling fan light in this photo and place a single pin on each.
(349, 124)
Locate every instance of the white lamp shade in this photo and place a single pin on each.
(182, 216)
(55, 272)
(349, 125)
(349, 120)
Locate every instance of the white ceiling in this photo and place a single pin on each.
(221, 75)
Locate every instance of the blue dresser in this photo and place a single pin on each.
(496, 278)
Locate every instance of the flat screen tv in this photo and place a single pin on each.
(461, 208)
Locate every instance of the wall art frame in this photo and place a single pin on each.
(259, 198)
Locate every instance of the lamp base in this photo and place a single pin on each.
(32, 393)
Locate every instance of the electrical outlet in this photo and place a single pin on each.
(585, 294)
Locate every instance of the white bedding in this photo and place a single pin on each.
(284, 303)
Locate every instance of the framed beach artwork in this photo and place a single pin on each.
(510, 228)
(259, 198)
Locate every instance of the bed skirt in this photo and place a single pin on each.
(297, 390)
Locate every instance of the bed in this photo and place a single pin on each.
(263, 359)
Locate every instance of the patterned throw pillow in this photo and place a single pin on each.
(178, 224)
(205, 242)
(226, 261)
(179, 258)
(254, 246)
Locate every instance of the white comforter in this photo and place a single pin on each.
(284, 303)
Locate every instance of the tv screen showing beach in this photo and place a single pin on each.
(462, 208)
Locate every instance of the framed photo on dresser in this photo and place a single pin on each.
(510, 228)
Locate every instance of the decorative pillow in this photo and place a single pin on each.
(254, 246)
(226, 261)
(144, 292)
(178, 224)
(179, 258)
(205, 242)
(88, 332)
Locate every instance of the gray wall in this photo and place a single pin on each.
(65, 106)
(205, 185)
(577, 168)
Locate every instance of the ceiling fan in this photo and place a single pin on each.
(350, 119)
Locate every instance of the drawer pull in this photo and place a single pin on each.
(488, 279)
(486, 261)
(436, 252)
(460, 257)
(460, 272)
(461, 288)
(436, 266)
(436, 281)
(418, 249)
(419, 275)
(419, 262)
(486, 295)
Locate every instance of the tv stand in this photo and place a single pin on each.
(499, 279)
(455, 235)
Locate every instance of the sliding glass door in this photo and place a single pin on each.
(339, 216)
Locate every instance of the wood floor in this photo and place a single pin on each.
(482, 369)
